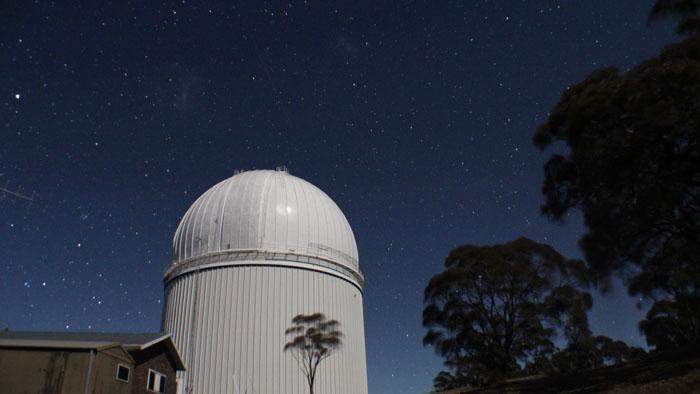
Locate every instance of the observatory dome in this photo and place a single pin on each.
(269, 212)
(249, 254)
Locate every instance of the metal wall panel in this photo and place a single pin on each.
(228, 324)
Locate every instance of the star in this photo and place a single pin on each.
(430, 149)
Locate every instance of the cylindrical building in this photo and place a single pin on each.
(252, 252)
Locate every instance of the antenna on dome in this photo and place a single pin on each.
(282, 169)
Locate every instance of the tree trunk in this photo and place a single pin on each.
(311, 379)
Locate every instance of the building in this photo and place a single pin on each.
(99, 363)
(249, 254)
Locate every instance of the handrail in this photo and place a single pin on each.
(175, 268)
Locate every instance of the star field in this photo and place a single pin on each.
(416, 118)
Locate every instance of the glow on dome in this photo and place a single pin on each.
(265, 210)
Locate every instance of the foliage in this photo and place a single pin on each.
(685, 10)
(315, 338)
(591, 352)
(495, 307)
(633, 169)
(672, 324)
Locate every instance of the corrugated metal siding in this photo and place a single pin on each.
(228, 323)
(266, 210)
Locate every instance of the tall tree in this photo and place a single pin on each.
(633, 169)
(315, 338)
(495, 307)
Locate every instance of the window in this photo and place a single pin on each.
(123, 373)
(156, 381)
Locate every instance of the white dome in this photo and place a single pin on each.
(269, 212)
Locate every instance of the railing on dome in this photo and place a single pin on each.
(241, 255)
(332, 252)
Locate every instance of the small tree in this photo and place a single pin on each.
(315, 339)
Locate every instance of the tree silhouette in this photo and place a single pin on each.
(588, 353)
(315, 339)
(494, 308)
(633, 169)
(686, 11)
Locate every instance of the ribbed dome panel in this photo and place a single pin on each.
(268, 211)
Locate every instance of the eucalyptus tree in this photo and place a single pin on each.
(632, 167)
(495, 308)
(314, 339)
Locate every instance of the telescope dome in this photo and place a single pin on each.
(267, 211)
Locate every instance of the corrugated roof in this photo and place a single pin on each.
(126, 339)
(88, 340)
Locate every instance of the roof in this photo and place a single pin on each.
(90, 340)
(265, 211)
(122, 338)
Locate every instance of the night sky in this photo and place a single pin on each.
(416, 118)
